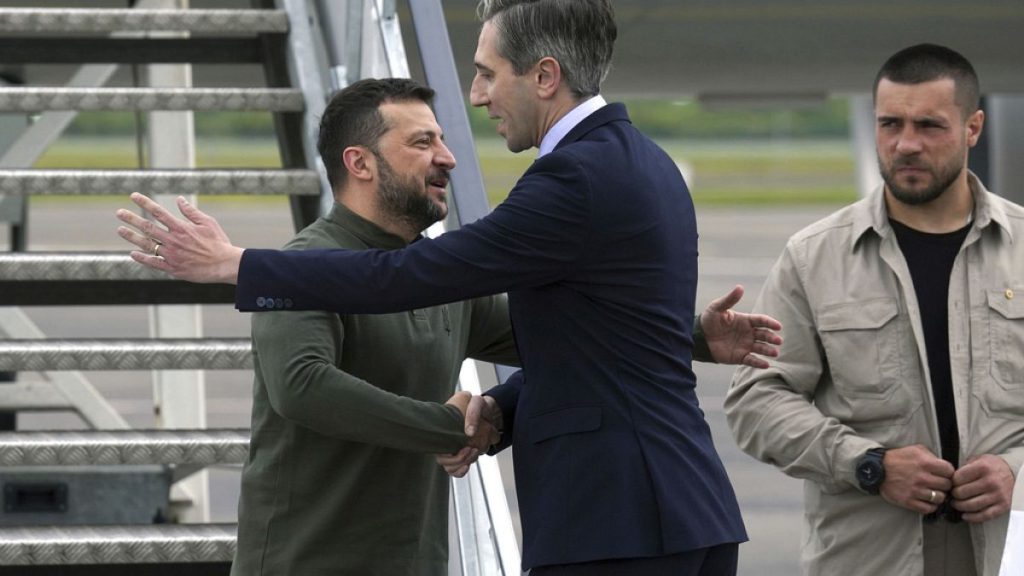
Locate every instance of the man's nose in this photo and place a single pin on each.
(909, 141)
(477, 95)
(444, 157)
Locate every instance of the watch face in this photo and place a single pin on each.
(869, 472)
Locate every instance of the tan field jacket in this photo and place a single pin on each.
(852, 375)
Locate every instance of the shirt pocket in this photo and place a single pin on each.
(863, 344)
(1006, 340)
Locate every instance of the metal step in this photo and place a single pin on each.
(158, 543)
(197, 50)
(123, 182)
(96, 278)
(83, 266)
(42, 355)
(36, 99)
(72, 20)
(124, 447)
(119, 293)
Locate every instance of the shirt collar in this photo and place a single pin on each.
(986, 211)
(372, 235)
(568, 122)
(873, 215)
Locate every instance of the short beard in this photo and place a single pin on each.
(944, 177)
(401, 201)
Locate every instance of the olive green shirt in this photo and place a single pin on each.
(348, 412)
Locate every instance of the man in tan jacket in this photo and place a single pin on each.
(899, 394)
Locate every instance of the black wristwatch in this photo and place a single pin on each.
(871, 470)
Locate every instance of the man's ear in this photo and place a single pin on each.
(359, 162)
(975, 123)
(548, 76)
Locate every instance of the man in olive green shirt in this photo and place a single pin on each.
(349, 409)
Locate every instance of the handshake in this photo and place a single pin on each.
(483, 423)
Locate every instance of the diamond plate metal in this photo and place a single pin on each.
(111, 20)
(184, 182)
(40, 355)
(123, 447)
(238, 99)
(117, 544)
(31, 266)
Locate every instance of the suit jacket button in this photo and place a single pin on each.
(279, 303)
(260, 301)
(288, 303)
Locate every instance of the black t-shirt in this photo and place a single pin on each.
(930, 259)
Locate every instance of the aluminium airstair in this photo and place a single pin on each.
(306, 49)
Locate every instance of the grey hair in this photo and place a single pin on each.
(579, 34)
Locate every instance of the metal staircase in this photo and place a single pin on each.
(306, 49)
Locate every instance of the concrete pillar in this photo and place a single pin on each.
(1005, 125)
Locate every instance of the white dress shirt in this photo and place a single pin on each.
(568, 122)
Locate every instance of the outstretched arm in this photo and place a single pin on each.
(736, 337)
(528, 240)
(300, 365)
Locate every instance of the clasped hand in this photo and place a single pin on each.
(483, 423)
(918, 480)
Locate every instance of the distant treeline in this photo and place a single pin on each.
(227, 124)
(660, 119)
(689, 119)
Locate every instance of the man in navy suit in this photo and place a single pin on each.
(597, 248)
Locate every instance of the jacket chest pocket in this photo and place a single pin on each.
(570, 420)
(864, 343)
(1006, 339)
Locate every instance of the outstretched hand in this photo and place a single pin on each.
(194, 249)
(736, 337)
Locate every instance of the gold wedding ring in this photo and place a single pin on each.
(156, 248)
(931, 497)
